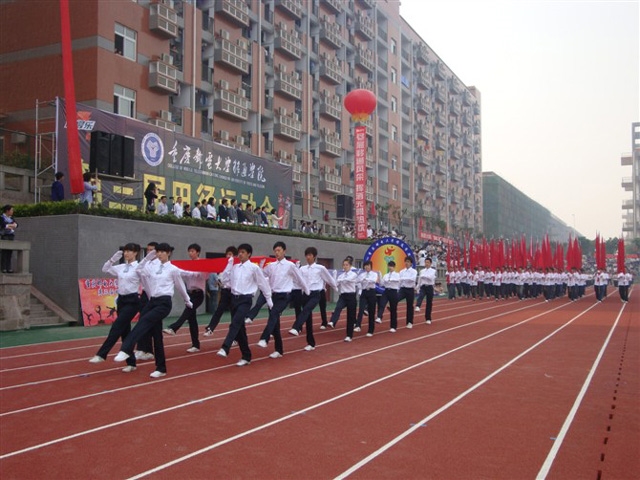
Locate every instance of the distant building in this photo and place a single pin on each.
(267, 77)
(631, 206)
(510, 213)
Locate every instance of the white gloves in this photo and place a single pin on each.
(116, 256)
(188, 304)
(269, 303)
(150, 256)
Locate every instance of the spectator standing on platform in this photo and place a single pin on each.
(7, 232)
(86, 197)
(163, 208)
(57, 188)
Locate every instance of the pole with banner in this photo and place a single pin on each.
(360, 103)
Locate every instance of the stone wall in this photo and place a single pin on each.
(68, 247)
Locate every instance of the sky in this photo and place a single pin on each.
(560, 87)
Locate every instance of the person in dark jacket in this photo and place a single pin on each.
(57, 188)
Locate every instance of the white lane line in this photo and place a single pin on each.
(546, 465)
(104, 392)
(446, 406)
(286, 339)
(333, 399)
(264, 382)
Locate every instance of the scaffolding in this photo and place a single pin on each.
(45, 151)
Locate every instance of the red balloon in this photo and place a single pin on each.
(360, 104)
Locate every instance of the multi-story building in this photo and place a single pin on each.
(269, 77)
(631, 206)
(509, 213)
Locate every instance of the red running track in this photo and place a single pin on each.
(490, 390)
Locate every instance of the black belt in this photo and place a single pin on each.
(194, 290)
(127, 295)
(161, 297)
(243, 296)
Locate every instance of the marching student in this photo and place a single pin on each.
(407, 290)
(245, 279)
(367, 281)
(224, 303)
(127, 303)
(316, 276)
(161, 278)
(391, 284)
(195, 283)
(426, 283)
(282, 275)
(347, 283)
(144, 349)
(624, 280)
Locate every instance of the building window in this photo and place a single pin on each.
(394, 192)
(125, 42)
(124, 101)
(394, 163)
(394, 76)
(394, 104)
(394, 46)
(394, 133)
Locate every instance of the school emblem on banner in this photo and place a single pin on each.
(382, 251)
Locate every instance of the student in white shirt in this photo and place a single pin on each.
(347, 283)
(624, 280)
(426, 282)
(178, 209)
(195, 213)
(245, 278)
(391, 284)
(407, 290)
(163, 208)
(367, 281)
(127, 303)
(195, 283)
(283, 275)
(316, 276)
(161, 278)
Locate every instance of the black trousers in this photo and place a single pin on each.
(145, 343)
(296, 300)
(224, 304)
(408, 294)
(190, 315)
(240, 306)
(429, 297)
(623, 290)
(260, 302)
(309, 302)
(5, 255)
(349, 301)
(150, 322)
(280, 302)
(389, 296)
(368, 302)
(127, 307)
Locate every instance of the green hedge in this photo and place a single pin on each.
(71, 207)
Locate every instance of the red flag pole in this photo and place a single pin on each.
(73, 144)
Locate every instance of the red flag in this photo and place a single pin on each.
(216, 265)
(621, 267)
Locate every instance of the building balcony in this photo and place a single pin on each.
(422, 78)
(439, 72)
(163, 77)
(455, 130)
(330, 33)
(467, 98)
(422, 130)
(441, 120)
(440, 145)
(455, 153)
(454, 175)
(286, 126)
(288, 85)
(331, 70)
(364, 59)
(440, 193)
(440, 168)
(467, 161)
(235, 10)
(330, 143)
(424, 185)
(331, 106)
(234, 56)
(440, 95)
(366, 4)
(422, 104)
(368, 124)
(422, 157)
(467, 121)
(454, 87)
(163, 20)
(466, 183)
(369, 193)
(363, 83)
(364, 26)
(294, 8)
(455, 108)
(334, 5)
(627, 184)
(370, 159)
(422, 54)
(288, 43)
(231, 105)
(476, 129)
(626, 160)
(331, 183)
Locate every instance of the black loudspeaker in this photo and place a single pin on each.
(100, 153)
(344, 207)
(127, 157)
(115, 160)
